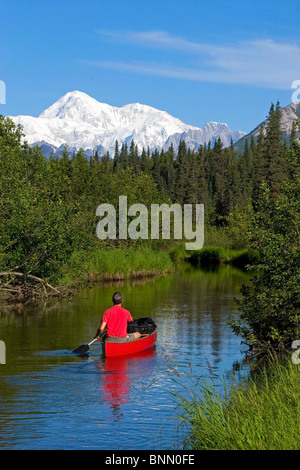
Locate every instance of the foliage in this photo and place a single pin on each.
(270, 305)
(114, 264)
(212, 256)
(48, 207)
(224, 422)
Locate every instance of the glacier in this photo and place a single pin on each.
(77, 121)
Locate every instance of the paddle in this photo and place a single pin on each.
(83, 349)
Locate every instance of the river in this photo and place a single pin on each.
(51, 399)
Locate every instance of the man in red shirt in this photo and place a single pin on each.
(115, 320)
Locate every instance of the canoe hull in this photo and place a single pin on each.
(124, 349)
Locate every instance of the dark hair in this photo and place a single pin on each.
(117, 298)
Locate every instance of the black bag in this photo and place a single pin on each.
(142, 325)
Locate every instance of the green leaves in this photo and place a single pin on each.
(271, 304)
(48, 207)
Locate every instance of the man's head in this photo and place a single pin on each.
(117, 298)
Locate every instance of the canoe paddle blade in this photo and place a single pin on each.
(83, 349)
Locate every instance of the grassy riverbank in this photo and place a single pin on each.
(224, 245)
(214, 256)
(261, 414)
(147, 260)
(116, 263)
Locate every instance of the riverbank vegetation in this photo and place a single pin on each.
(270, 305)
(261, 413)
(48, 206)
(115, 264)
(48, 243)
(212, 256)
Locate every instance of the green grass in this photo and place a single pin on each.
(261, 414)
(215, 255)
(216, 236)
(116, 263)
(220, 248)
(224, 245)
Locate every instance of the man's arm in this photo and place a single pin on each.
(100, 329)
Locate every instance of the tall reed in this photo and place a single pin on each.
(116, 263)
(259, 414)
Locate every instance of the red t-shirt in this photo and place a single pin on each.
(116, 319)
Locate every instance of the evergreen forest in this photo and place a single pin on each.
(251, 200)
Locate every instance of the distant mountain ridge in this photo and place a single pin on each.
(77, 120)
(290, 113)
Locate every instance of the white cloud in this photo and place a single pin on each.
(263, 63)
(158, 39)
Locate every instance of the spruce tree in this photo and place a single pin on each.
(274, 156)
(116, 156)
(181, 173)
(146, 162)
(258, 167)
(170, 175)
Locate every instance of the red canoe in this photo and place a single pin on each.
(111, 349)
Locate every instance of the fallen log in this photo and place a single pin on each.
(27, 289)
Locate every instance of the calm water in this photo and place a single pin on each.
(51, 399)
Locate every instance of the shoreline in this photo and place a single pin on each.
(24, 296)
(100, 268)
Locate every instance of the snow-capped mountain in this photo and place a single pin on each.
(79, 121)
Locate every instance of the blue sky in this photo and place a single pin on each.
(200, 61)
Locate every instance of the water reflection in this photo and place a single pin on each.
(119, 373)
(50, 398)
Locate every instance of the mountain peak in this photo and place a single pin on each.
(75, 105)
(289, 114)
(79, 121)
